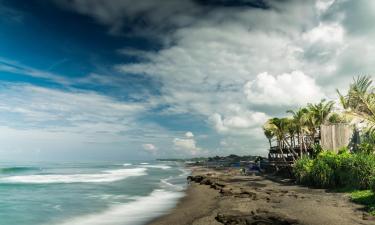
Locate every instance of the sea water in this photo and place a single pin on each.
(122, 193)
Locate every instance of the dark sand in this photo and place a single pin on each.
(225, 198)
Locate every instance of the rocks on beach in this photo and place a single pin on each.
(219, 197)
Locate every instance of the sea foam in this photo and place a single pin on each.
(133, 213)
(163, 167)
(105, 176)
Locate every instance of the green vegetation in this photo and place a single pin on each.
(351, 169)
(300, 130)
(365, 197)
(330, 170)
(342, 171)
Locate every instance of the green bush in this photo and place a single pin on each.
(367, 145)
(330, 170)
(373, 184)
(302, 170)
(317, 149)
(322, 175)
(367, 198)
(362, 171)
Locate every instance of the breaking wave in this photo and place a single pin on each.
(163, 167)
(105, 176)
(137, 212)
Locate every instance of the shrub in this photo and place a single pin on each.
(331, 170)
(317, 149)
(367, 148)
(367, 198)
(302, 170)
(362, 171)
(373, 184)
(367, 145)
(322, 175)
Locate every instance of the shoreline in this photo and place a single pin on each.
(224, 197)
(189, 208)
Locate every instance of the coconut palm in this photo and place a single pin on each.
(317, 115)
(360, 100)
(269, 134)
(320, 111)
(280, 128)
(299, 121)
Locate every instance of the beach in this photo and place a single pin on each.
(217, 197)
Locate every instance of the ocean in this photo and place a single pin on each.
(123, 193)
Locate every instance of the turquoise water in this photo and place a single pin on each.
(126, 193)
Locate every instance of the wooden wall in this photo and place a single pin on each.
(336, 136)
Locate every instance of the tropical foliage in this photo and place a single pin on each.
(331, 170)
(360, 100)
(359, 103)
(353, 170)
(300, 131)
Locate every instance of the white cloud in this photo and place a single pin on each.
(150, 148)
(323, 5)
(243, 124)
(325, 33)
(44, 107)
(71, 118)
(288, 89)
(189, 134)
(236, 67)
(15, 67)
(233, 67)
(187, 145)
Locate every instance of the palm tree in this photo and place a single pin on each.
(269, 134)
(317, 115)
(299, 121)
(279, 127)
(360, 100)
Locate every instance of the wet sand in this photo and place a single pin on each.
(224, 197)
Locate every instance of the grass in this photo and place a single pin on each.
(365, 197)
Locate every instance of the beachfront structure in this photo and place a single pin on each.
(328, 136)
(336, 136)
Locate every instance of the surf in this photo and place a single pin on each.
(104, 176)
(137, 212)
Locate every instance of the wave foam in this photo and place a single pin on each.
(105, 176)
(133, 213)
(163, 167)
(168, 185)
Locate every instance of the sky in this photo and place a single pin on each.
(123, 79)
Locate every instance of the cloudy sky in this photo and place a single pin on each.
(123, 79)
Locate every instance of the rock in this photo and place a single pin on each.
(196, 179)
(255, 218)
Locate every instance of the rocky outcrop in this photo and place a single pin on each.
(255, 218)
(206, 181)
(222, 187)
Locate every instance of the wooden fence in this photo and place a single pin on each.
(336, 136)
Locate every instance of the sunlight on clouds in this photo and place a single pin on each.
(188, 144)
(230, 68)
(326, 33)
(290, 89)
(39, 106)
(323, 5)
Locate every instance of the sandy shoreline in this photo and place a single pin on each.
(223, 199)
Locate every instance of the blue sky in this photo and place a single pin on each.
(95, 79)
